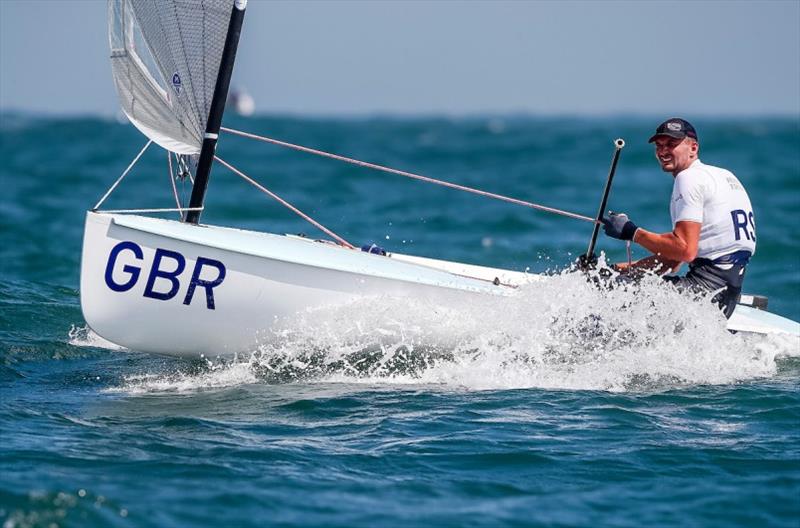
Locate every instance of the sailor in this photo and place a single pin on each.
(712, 220)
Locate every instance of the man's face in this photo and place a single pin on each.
(674, 154)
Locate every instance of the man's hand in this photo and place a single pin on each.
(617, 225)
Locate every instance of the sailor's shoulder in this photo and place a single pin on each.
(701, 175)
(694, 175)
(697, 169)
(723, 178)
(716, 171)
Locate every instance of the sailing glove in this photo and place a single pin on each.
(617, 225)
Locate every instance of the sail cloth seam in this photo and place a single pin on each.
(283, 202)
(124, 173)
(410, 175)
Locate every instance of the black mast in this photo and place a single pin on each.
(215, 113)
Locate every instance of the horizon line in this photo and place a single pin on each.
(418, 115)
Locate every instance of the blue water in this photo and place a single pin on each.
(520, 419)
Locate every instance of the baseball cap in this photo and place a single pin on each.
(675, 127)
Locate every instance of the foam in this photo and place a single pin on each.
(562, 333)
(83, 336)
(215, 376)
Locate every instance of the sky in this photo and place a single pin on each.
(446, 57)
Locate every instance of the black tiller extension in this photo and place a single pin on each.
(589, 259)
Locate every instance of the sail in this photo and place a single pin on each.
(165, 56)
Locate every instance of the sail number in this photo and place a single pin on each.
(163, 281)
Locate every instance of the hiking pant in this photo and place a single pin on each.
(704, 275)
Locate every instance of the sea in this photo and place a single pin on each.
(567, 405)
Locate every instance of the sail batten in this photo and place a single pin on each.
(165, 57)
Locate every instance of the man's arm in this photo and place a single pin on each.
(679, 246)
(670, 250)
(653, 263)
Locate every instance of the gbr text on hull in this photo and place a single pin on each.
(163, 279)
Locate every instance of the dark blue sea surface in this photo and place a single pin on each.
(527, 416)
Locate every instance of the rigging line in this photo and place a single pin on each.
(183, 182)
(285, 203)
(125, 173)
(410, 175)
(172, 181)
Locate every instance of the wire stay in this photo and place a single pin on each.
(410, 175)
(286, 204)
(172, 181)
(125, 173)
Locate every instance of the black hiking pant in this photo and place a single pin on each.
(704, 275)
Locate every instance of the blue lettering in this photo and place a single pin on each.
(132, 271)
(739, 218)
(752, 225)
(156, 272)
(171, 276)
(208, 285)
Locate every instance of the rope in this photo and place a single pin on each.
(410, 175)
(181, 159)
(172, 181)
(125, 173)
(297, 211)
(628, 247)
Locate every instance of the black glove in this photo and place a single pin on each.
(617, 225)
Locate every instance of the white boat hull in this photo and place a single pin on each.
(130, 299)
(171, 288)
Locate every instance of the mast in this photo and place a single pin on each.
(215, 112)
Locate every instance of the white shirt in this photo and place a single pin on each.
(715, 198)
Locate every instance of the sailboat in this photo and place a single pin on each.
(189, 289)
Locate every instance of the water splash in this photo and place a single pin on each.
(207, 376)
(83, 336)
(562, 333)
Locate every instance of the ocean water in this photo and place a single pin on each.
(564, 406)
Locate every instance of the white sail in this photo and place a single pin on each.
(165, 55)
